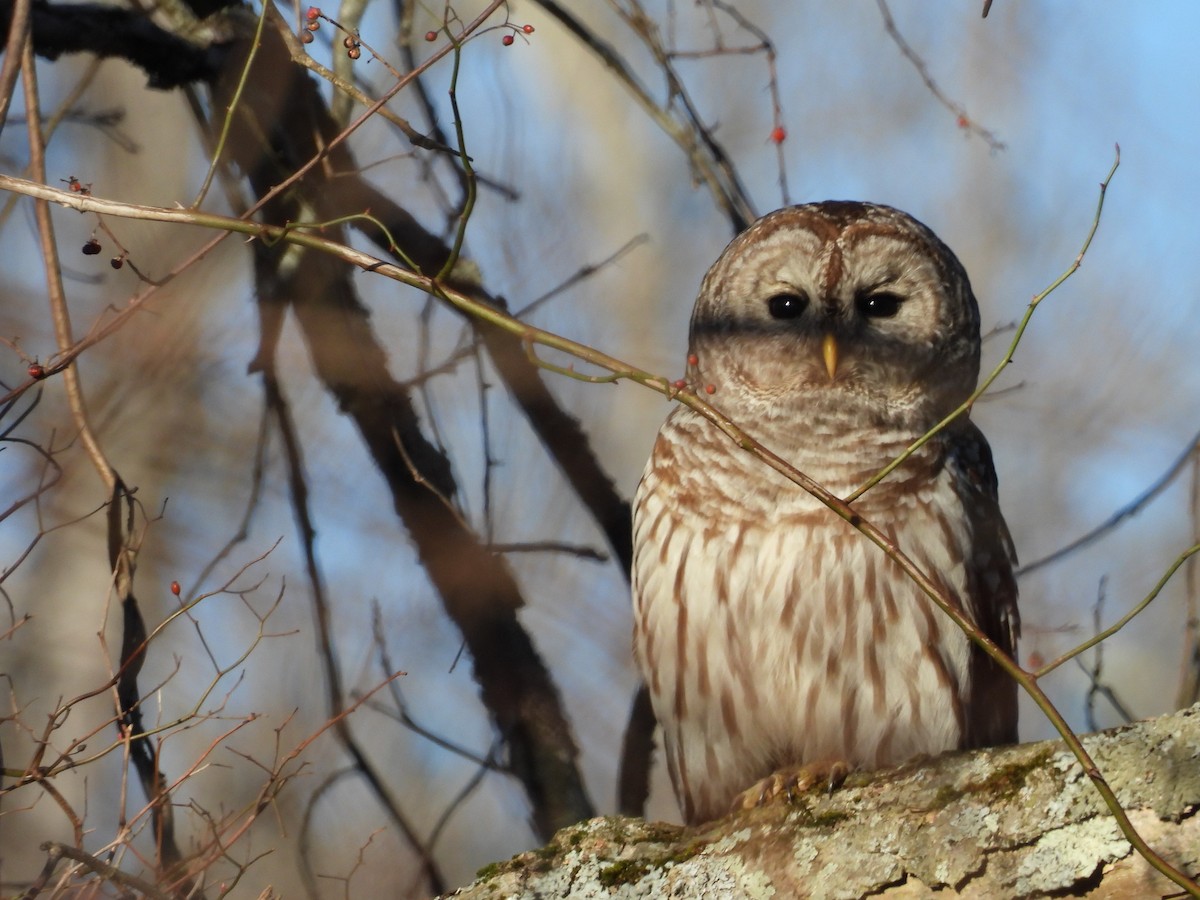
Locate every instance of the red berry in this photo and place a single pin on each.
(175, 588)
(313, 13)
(306, 37)
(91, 248)
(431, 36)
(963, 121)
(679, 384)
(313, 26)
(354, 53)
(778, 134)
(507, 40)
(36, 371)
(710, 389)
(693, 359)
(528, 29)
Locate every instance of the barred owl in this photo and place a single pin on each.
(771, 634)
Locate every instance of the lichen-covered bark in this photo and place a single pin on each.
(1016, 822)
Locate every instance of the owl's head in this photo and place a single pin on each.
(837, 308)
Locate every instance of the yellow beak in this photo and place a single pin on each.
(829, 352)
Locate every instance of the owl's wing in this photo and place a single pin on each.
(991, 584)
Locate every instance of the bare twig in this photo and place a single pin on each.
(54, 284)
(963, 119)
(1125, 619)
(258, 469)
(1095, 672)
(401, 712)
(767, 47)
(106, 871)
(576, 550)
(706, 156)
(964, 407)
(1130, 509)
(14, 52)
(297, 482)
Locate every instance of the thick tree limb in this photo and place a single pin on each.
(107, 31)
(281, 126)
(1018, 821)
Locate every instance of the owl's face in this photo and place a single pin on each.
(837, 309)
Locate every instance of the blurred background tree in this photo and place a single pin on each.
(617, 145)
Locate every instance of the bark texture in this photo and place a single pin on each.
(1020, 821)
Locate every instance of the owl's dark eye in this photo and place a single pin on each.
(787, 306)
(878, 305)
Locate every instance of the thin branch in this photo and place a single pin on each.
(297, 483)
(984, 385)
(14, 51)
(706, 156)
(1130, 509)
(581, 274)
(964, 120)
(427, 372)
(253, 496)
(767, 47)
(577, 550)
(401, 713)
(106, 871)
(348, 88)
(1095, 672)
(54, 283)
(1125, 619)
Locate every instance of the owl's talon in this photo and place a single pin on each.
(837, 773)
(791, 782)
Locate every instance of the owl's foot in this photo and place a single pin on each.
(794, 780)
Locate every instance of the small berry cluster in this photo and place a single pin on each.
(312, 22)
(92, 247)
(76, 186)
(508, 39)
(681, 384)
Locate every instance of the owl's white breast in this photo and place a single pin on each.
(771, 632)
